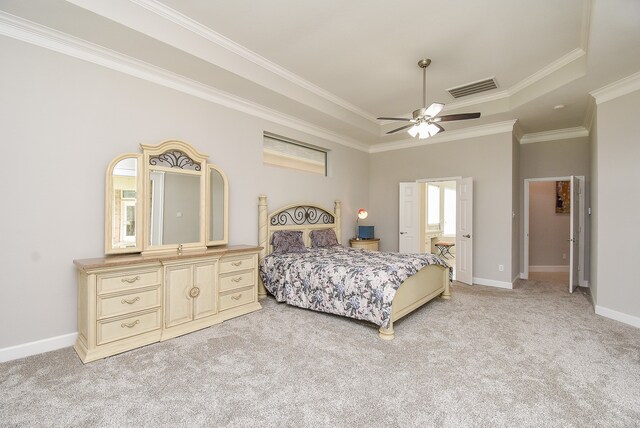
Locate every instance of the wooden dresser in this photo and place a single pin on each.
(129, 301)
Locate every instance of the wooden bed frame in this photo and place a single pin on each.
(430, 282)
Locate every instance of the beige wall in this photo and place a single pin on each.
(617, 205)
(487, 159)
(63, 120)
(516, 190)
(559, 158)
(548, 230)
(592, 220)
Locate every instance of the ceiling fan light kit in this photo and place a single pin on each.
(425, 130)
(424, 122)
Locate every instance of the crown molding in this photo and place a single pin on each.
(458, 134)
(555, 66)
(27, 31)
(590, 114)
(207, 33)
(586, 25)
(617, 89)
(558, 134)
(517, 131)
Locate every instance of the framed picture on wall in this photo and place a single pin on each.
(563, 197)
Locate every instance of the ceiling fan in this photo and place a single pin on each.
(425, 121)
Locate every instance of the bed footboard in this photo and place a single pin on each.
(430, 282)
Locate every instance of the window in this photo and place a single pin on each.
(433, 207)
(449, 211)
(288, 153)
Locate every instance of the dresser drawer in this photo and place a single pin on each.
(108, 283)
(238, 298)
(111, 330)
(234, 264)
(237, 280)
(127, 303)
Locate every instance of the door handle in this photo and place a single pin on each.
(402, 233)
(466, 236)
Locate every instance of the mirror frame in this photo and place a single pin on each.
(108, 206)
(151, 151)
(225, 236)
(143, 200)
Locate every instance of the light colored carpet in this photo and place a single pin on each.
(533, 356)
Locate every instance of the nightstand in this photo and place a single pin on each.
(365, 244)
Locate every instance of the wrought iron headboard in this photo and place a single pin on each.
(303, 217)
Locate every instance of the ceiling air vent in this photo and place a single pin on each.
(473, 88)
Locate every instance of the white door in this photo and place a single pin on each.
(409, 218)
(574, 233)
(464, 231)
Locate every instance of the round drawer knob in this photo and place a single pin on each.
(194, 292)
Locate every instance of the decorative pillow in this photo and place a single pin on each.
(323, 238)
(287, 241)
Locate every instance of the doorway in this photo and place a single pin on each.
(440, 219)
(436, 216)
(554, 229)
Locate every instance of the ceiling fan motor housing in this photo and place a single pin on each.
(424, 63)
(420, 112)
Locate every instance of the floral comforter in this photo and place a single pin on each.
(351, 282)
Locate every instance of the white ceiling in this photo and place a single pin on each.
(332, 66)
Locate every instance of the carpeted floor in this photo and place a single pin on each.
(533, 356)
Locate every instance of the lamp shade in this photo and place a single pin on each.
(362, 213)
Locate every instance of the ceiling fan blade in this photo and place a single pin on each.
(395, 118)
(434, 109)
(441, 129)
(460, 116)
(401, 128)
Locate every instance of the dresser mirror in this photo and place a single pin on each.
(124, 184)
(166, 199)
(174, 215)
(217, 206)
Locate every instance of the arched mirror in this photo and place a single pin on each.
(217, 206)
(175, 185)
(122, 205)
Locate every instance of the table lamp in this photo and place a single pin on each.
(362, 214)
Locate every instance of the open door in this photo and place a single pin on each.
(574, 233)
(464, 231)
(409, 218)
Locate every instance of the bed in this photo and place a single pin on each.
(372, 286)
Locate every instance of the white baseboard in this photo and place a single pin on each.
(618, 316)
(492, 283)
(37, 347)
(542, 268)
(524, 275)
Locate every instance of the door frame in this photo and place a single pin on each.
(525, 235)
(423, 220)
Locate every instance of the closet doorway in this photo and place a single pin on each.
(554, 229)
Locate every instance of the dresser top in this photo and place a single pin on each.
(136, 259)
